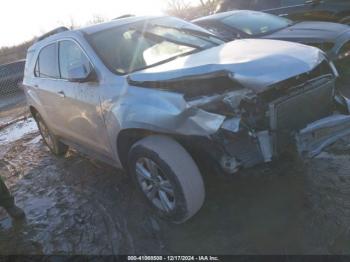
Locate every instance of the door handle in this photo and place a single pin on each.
(61, 94)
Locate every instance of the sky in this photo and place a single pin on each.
(21, 20)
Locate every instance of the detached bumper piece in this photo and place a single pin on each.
(316, 136)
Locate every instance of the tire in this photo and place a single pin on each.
(177, 176)
(52, 142)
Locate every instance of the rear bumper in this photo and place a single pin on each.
(316, 136)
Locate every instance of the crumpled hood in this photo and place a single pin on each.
(306, 32)
(255, 63)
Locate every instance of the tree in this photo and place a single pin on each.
(179, 8)
(210, 6)
(97, 19)
(184, 9)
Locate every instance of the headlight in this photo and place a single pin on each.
(325, 47)
(344, 52)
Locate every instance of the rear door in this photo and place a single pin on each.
(46, 86)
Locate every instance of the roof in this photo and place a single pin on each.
(115, 23)
(220, 16)
(92, 29)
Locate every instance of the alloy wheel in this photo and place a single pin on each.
(155, 185)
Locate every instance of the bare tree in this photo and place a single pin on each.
(72, 24)
(96, 19)
(178, 7)
(210, 6)
(184, 9)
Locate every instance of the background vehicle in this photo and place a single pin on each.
(141, 93)
(332, 38)
(299, 10)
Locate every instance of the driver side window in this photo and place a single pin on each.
(70, 57)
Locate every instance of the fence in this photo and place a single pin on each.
(12, 98)
(11, 77)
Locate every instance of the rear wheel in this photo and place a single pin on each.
(167, 176)
(55, 146)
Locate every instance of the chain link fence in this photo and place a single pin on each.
(12, 98)
(11, 77)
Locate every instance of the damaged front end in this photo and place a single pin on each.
(296, 114)
(258, 122)
(304, 120)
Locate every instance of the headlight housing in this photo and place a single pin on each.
(344, 52)
(325, 47)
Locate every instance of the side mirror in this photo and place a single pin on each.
(81, 74)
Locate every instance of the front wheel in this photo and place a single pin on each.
(55, 146)
(167, 177)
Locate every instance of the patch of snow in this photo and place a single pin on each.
(35, 140)
(17, 131)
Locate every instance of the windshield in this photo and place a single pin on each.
(256, 23)
(125, 49)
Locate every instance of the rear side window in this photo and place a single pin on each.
(47, 64)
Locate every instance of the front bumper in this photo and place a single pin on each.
(249, 149)
(316, 136)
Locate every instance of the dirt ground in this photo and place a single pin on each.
(77, 205)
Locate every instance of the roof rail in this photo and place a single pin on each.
(123, 16)
(52, 32)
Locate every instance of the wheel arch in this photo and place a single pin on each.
(128, 137)
(33, 110)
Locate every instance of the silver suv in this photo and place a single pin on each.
(147, 93)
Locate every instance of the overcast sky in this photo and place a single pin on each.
(20, 20)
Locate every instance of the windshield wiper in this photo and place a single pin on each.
(190, 31)
(158, 38)
(201, 33)
(164, 61)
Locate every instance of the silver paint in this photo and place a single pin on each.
(319, 134)
(93, 114)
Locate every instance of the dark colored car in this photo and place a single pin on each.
(332, 38)
(11, 76)
(316, 10)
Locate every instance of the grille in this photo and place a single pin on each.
(283, 88)
(294, 112)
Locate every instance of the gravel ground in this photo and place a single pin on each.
(76, 205)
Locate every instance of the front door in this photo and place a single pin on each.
(82, 109)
